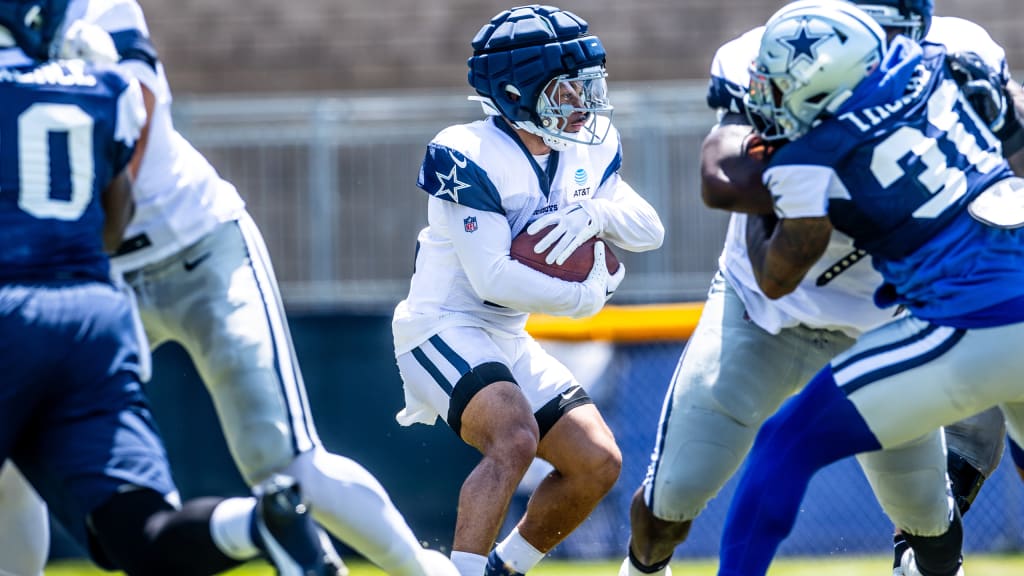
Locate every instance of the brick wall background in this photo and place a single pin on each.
(223, 46)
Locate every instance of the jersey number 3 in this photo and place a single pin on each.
(946, 183)
(38, 127)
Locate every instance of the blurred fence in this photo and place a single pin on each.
(332, 182)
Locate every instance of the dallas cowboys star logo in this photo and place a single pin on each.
(804, 44)
(450, 185)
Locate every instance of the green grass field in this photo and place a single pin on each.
(824, 566)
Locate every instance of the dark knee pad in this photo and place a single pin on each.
(966, 481)
(118, 536)
(939, 555)
(469, 385)
(141, 534)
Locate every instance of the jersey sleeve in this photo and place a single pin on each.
(483, 251)
(627, 219)
(126, 24)
(131, 117)
(614, 164)
(447, 174)
(803, 190)
(730, 74)
(960, 35)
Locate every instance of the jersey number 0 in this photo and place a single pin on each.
(37, 127)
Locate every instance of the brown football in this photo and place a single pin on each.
(576, 267)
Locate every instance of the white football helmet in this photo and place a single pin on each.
(812, 56)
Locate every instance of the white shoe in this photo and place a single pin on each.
(908, 566)
(627, 569)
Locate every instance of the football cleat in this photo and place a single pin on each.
(287, 534)
(498, 567)
(908, 566)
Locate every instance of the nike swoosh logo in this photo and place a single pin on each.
(460, 163)
(190, 265)
(735, 91)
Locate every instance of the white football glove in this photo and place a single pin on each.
(88, 42)
(574, 225)
(599, 285)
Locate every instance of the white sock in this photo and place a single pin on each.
(518, 553)
(231, 528)
(469, 564)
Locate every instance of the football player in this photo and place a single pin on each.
(880, 143)
(715, 403)
(201, 275)
(72, 413)
(547, 154)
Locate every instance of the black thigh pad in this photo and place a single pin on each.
(469, 385)
(559, 405)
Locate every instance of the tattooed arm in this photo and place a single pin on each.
(781, 257)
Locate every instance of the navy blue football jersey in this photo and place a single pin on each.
(66, 130)
(896, 169)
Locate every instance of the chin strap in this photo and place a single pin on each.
(552, 141)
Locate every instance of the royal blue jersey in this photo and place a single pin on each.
(896, 169)
(66, 130)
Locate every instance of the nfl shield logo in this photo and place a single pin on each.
(470, 223)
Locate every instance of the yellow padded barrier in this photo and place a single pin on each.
(635, 323)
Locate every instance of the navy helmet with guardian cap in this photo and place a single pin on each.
(33, 24)
(912, 18)
(539, 67)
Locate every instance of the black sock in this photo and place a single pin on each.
(899, 546)
(185, 535)
(939, 555)
(656, 567)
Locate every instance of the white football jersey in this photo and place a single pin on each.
(485, 188)
(834, 295)
(179, 196)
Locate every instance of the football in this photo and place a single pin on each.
(576, 267)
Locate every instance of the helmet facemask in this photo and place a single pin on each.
(570, 108)
(764, 106)
(911, 25)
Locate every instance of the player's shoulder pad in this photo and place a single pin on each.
(109, 76)
(826, 144)
(961, 35)
(452, 169)
(607, 156)
(730, 71)
(126, 24)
